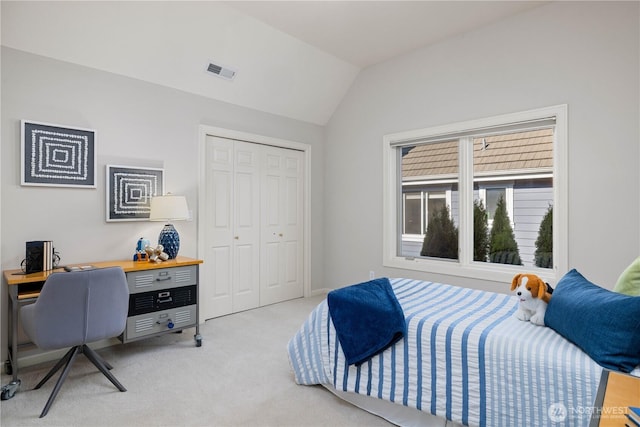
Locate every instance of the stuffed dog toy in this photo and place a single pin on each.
(534, 295)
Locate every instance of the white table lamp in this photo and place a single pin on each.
(169, 208)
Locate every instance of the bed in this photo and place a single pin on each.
(465, 358)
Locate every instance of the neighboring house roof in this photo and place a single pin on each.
(515, 152)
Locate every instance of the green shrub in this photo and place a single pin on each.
(441, 239)
(543, 256)
(503, 248)
(480, 232)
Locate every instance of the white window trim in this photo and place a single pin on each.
(465, 267)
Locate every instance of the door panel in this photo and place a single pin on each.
(217, 292)
(246, 280)
(282, 226)
(233, 221)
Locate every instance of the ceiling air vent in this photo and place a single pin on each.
(221, 71)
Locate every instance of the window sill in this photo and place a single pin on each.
(483, 271)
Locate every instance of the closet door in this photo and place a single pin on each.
(252, 226)
(281, 263)
(232, 227)
(246, 236)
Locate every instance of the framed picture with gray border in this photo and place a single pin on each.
(57, 156)
(129, 192)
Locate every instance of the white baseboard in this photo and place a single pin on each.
(317, 292)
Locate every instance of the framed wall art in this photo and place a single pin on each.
(57, 156)
(129, 192)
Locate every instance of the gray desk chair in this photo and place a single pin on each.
(74, 309)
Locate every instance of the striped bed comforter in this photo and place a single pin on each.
(465, 358)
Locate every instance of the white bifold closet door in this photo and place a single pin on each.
(254, 226)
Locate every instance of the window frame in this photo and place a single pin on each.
(465, 266)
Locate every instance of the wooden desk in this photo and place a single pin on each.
(616, 393)
(16, 277)
(25, 288)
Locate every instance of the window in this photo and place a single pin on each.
(490, 199)
(435, 202)
(417, 208)
(469, 198)
(413, 220)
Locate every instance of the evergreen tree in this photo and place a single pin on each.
(441, 239)
(503, 245)
(480, 232)
(543, 256)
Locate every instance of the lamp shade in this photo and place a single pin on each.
(168, 208)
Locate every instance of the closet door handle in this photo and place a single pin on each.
(237, 237)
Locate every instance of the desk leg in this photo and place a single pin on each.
(13, 351)
(9, 390)
(197, 336)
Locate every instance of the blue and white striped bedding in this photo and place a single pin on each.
(466, 358)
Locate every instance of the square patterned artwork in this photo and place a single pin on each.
(57, 156)
(129, 192)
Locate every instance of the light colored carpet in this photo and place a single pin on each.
(239, 377)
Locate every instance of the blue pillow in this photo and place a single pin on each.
(604, 324)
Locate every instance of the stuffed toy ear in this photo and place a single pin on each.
(539, 288)
(542, 290)
(536, 290)
(514, 282)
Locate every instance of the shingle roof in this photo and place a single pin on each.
(515, 151)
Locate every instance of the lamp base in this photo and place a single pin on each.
(170, 239)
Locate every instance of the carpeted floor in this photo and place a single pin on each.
(239, 377)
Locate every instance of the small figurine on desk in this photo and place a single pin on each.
(141, 254)
(156, 254)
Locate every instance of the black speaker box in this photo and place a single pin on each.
(34, 260)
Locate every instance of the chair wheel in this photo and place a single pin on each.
(198, 341)
(10, 390)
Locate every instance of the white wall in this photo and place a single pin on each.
(584, 54)
(171, 42)
(137, 124)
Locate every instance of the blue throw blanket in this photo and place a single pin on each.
(368, 318)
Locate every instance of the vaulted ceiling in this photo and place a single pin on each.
(292, 58)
